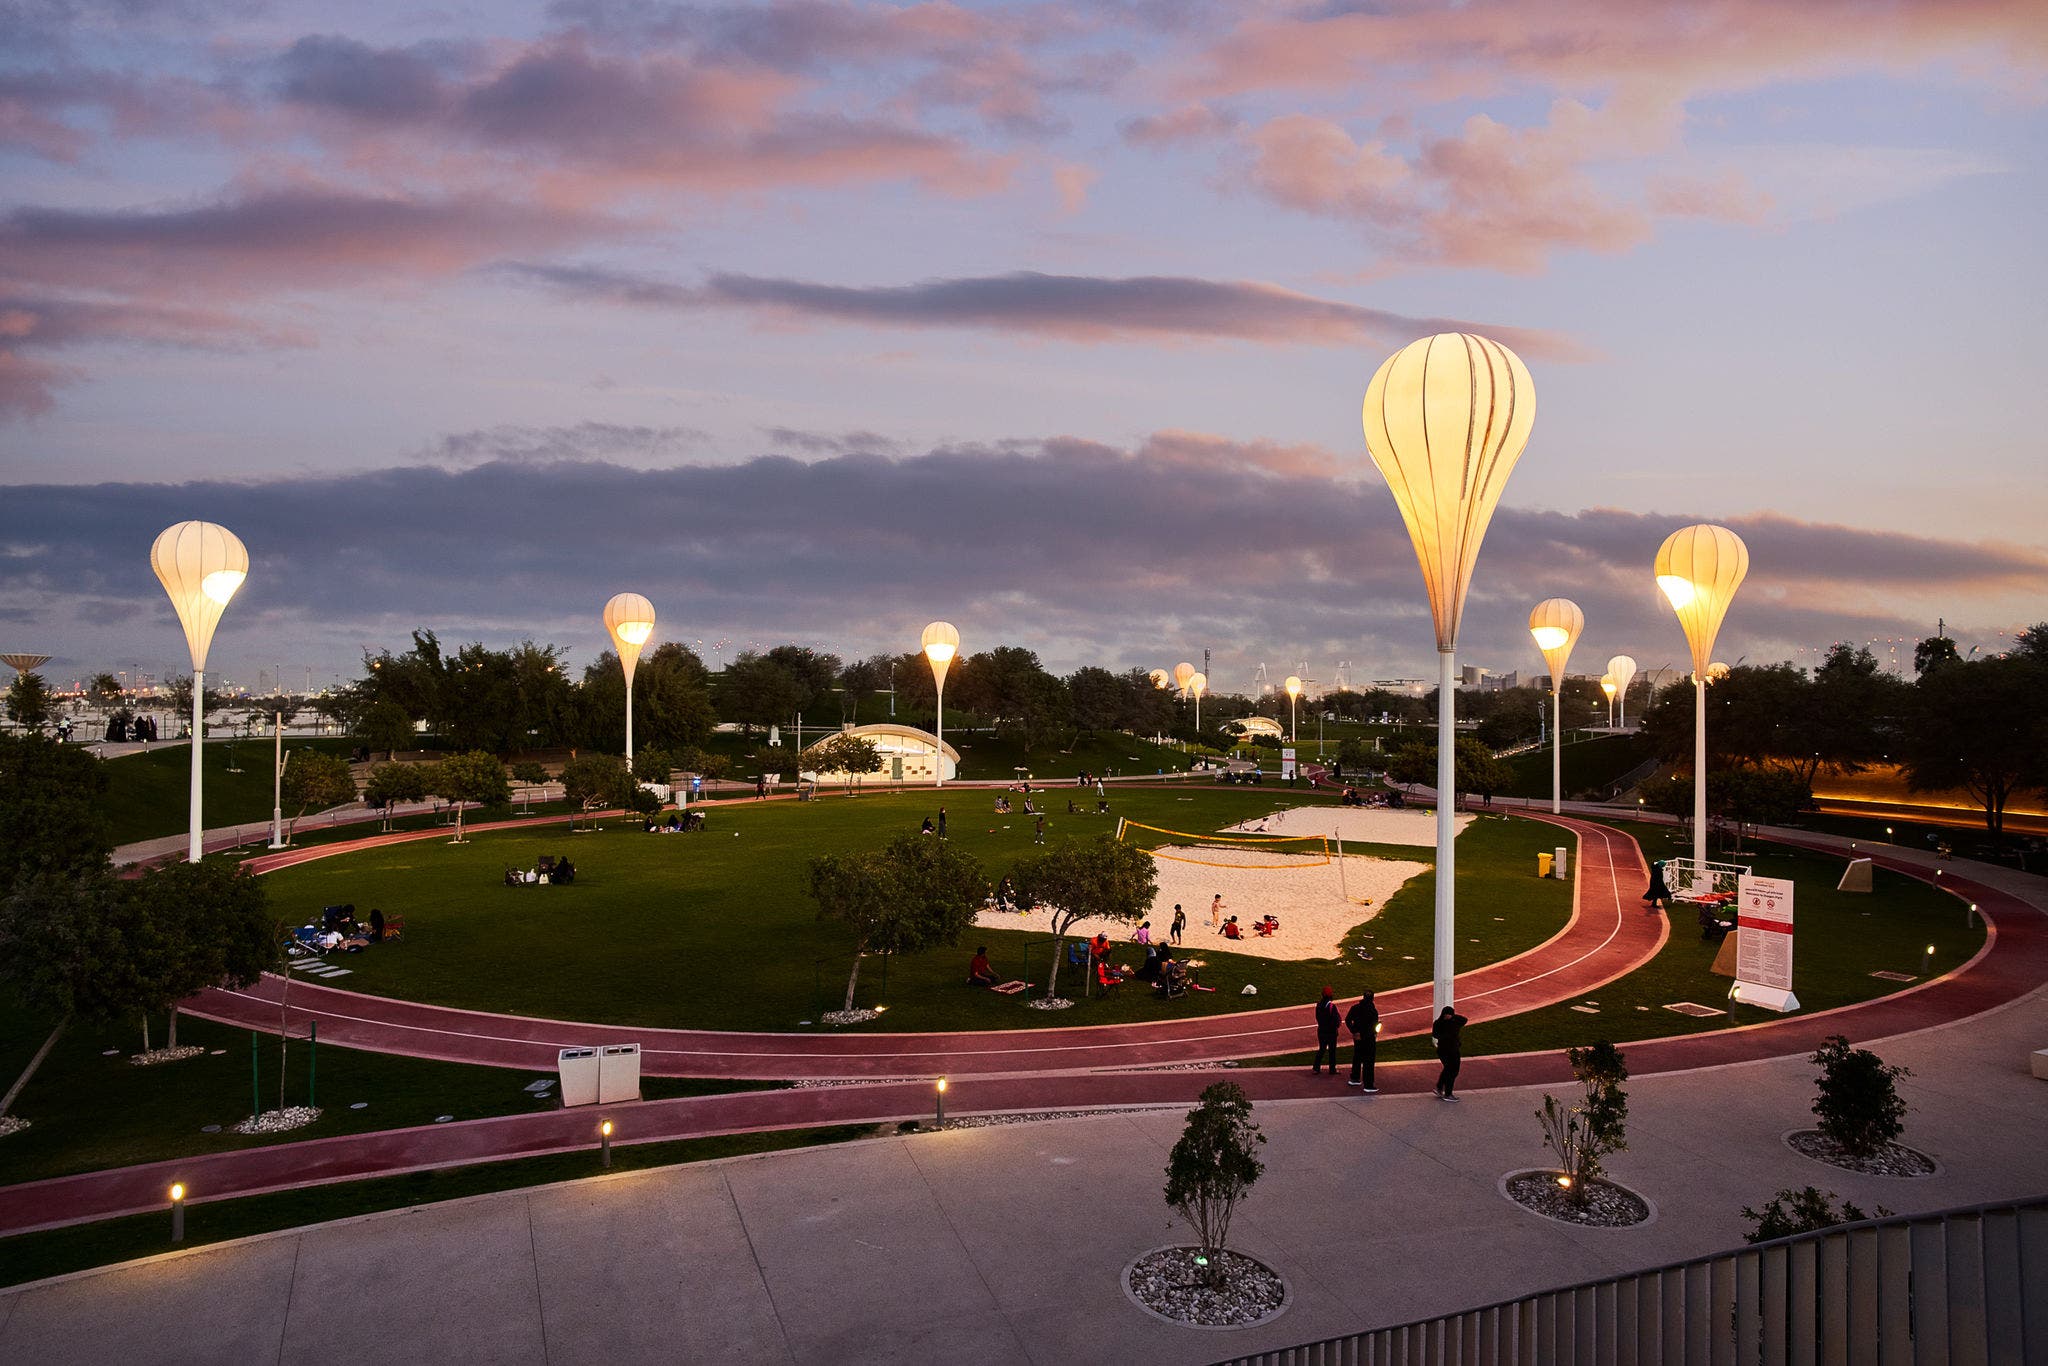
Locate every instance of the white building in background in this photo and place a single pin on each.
(1252, 726)
(908, 755)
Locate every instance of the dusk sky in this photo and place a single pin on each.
(816, 320)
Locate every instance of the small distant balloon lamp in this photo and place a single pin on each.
(941, 1092)
(178, 1211)
(604, 1143)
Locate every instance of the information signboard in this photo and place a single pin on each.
(1287, 764)
(1763, 943)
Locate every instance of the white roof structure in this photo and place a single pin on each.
(907, 753)
(1256, 725)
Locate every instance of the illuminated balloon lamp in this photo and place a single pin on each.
(630, 620)
(1293, 695)
(1197, 685)
(200, 565)
(940, 643)
(1607, 686)
(1556, 624)
(1182, 672)
(1446, 418)
(1623, 671)
(1699, 568)
(1160, 679)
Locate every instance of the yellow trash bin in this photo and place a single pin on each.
(1543, 865)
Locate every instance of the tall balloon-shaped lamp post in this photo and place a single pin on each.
(1699, 568)
(1622, 670)
(200, 566)
(1160, 679)
(1293, 695)
(1198, 685)
(1446, 418)
(630, 619)
(941, 642)
(1556, 623)
(1607, 687)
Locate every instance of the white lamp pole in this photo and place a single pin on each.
(1446, 418)
(1699, 568)
(940, 643)
(1198, 685)
(1556, 623)
(630, 620)
(277, 763)
(1293, 694)
(200, 566)
(1622, 669)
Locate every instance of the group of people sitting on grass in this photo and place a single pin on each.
(550, 871)
(678, 822)
(339, 931)
(1390, 797)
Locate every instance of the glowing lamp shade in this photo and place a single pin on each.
(1556, 623)
(1293, 686)
(1716, 671)
(1607, 685)
(1699, 568)
(1622, 670)
(630, 620)
(1198, 684)
(1160, 678)
(940, 643)
(1446, 418)
(200, 566)
(1182, 672)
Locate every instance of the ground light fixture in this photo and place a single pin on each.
(630, 620)
(200, 565)
(604, 1143)
(1293, 695)
(940, 643)
(940, 1092)
(177, 1211)
(1607, 686)
(1556, 623)
(1622, 669)
(1446, 419)
(1699, 568)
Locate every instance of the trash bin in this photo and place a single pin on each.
(1543, 865)
(618, 1073)
(578, 1068)
(1559, 863)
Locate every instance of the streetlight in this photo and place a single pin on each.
(1699, 568)
(941, 642)
(1160, 678)
(1446, 418)
(1556, 623)
(1293, 695)
(1623, 670)
(1607, 686)
(630, 619)
(1197, 685)
(200, 566)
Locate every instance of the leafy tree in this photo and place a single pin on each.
(1099, 698)
(1586, 1131)
(2032, 643)
(313, 778)
(530, 773)
(1096, 879)
(671, 701)
(179, 689)
(56, 929)
(1212, 1167)
(1934, 653)
(1477, 770)
(51, 819)
(912, 894)
(196, 925)
(412, 681)
(1513, 715)
(1009, 686)
(1751, 797)
(1356, 756)
(1978, 726)
(473, 777)
(29, 702)
(391, 784)
(1857, 1099)
(853, 755)
(758, 691)
(104, 692)
(1807, 1210)
(599, 779)
(384, 725)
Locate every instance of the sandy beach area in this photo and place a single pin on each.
(1355, 824)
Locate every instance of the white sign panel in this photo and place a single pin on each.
(1763, 943)
(1286, 763)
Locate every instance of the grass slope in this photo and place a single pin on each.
(148, 793)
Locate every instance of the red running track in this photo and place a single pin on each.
(1602, 941)
(2013, 962)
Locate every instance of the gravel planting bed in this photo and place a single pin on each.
(1606, 1205)
(157, 1055)
(11, 1124)
(847, 1017)
(1893, 1159)
(279, 1121)
(1166, 1283)
(1048, 1003)
(1033, 1117)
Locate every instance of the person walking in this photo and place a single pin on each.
(1327, 1020)
(1363, 1020)
(1657, 895)
(1450, 1051)
(1180, 922)
(942, 822)
(1040, 838)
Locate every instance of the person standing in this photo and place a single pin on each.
(1657, 895)
(1363, 1021)
(942, 822)
(1180, 922)
(1216, 912)
(1450, 1051)
(1327, 1020)
(1040, 837)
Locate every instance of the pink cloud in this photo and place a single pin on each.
(30, 325)
(1188, 123)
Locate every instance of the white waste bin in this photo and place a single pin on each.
(618, 1073)
(1557, 868)
(579, 1070)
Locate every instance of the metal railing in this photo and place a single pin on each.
(1964, 1286)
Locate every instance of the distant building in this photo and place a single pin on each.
(907, 753)
(1252, 726)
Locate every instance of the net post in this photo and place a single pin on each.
(1120, 828)
(1343, 886)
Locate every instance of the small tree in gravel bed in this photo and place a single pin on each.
(1212, 1167)
(1801, 1211)
(912, 894)
(1857, 1101)
(1098, 879)
(1582, 1134)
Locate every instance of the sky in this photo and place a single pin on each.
(815, 320)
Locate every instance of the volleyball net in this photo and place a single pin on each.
(1244, 851)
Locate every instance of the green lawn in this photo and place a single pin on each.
(148, 793)
(1590, 766)
(92, 1111)
(713, 930)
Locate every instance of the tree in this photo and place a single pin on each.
(55, 933)
(51, 816)
(1212, 1167)
(1751, 797)
(1978, 726)
(759, 692)
(384, 725)
(1477, 770)
(391, 784)
(596, 779)
(104, 692)
(473, 777)
(28, 702)
(1009, 686)
(1588, 1130)
(1934, 653)
(179, 690)
(1856, 1098)
(1097, 879)
(530, 773)
(852, 755)
(1807, 1210)
(1098, 697)
(313, 779)
(912, 894)
(203, 925)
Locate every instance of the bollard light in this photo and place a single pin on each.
(177, 1211)
(941, 1093)
(200, 565)
(604, 1143)
(1446, 419)
(1556, 623)
(1699, 568)
(630, 620)
(940, 643)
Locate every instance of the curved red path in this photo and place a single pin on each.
(1603, 940)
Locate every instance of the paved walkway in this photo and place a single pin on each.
(1005, 1245)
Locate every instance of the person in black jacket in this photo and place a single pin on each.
(1449, 1051)
(1364, 1023)
(1327, 1020)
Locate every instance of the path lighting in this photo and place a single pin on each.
(1556, 623)
(177, 1211)
(1622, 670)
(200, 566)
(940, 1091)
(1293, 695)
(630, 619)
(941, 642)
(604, 1143)
(1182, 672)
(1699, 568)
(1160, 678)
(1565, 1182)
(1446, 418)
(1607, 686)
(1198, 685)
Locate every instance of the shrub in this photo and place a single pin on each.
(1800, 1211)
(1212, 1166)
(1859, 1106)
(1582, 1134)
